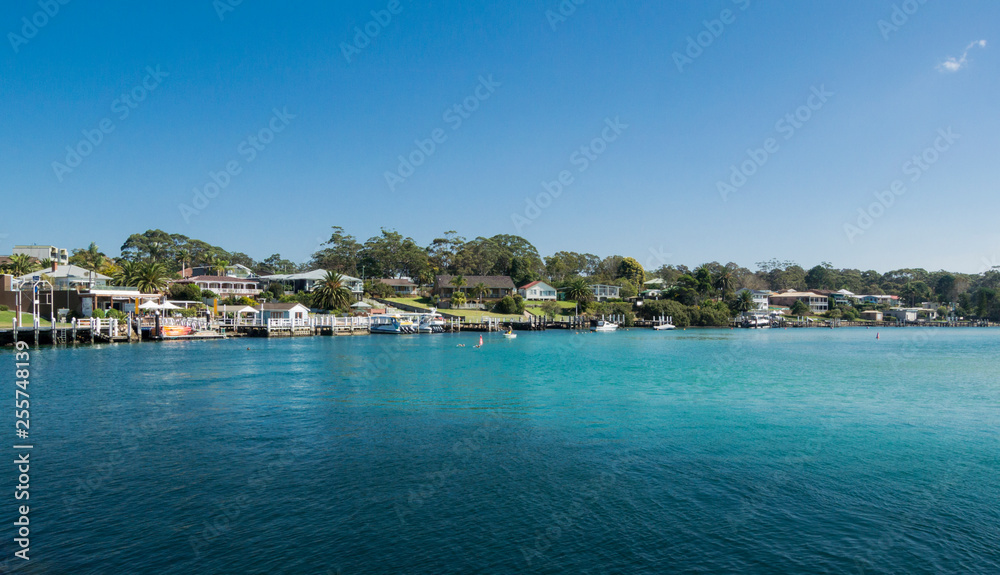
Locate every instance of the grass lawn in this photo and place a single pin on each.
(468, 315)
(7, 319)
(535, 308)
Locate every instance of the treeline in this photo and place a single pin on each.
(706, 287)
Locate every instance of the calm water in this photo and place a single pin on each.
(634, 452)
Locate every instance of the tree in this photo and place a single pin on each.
(800, 308)
(151, 277)
(458, 282)
(331, 293)
(577, 290)
(744, 301)
(339, 254)
(219, 267)
(631, 269)
(21, 264)
(125, 273)
(479, 290)
(724, 282)
(551, 309)
(457, 299)
(185, 292)
(441, 252)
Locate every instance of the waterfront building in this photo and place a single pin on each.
(604, 292)
(538, 290)
(41, 253)
(307, 281)
(818, 303)
(402, 286)
(225, 286)
(497, 286)
(69, 276)
(283, 311)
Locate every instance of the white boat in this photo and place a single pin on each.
(397, 323)
(510, 335)
(605, 326)
(663, 326)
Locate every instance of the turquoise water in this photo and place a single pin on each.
(773, 451)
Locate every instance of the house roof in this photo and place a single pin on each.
(316, 275)
(398, 282)
(66, 271)
(492, 282)
(216, 279)
(533, 284)
(282, 306)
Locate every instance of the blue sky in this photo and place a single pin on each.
(554, 86)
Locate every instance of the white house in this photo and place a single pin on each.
(844, 297)
(655, 283)
(603, 292)
(225, 286)
(307, 281)
(879, 299)
(537, 291)
(906, 315)
(761, 298)
(233, 271)
(284, 311)
(69, 277)
(817, 303)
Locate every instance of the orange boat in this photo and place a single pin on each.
(175, 330)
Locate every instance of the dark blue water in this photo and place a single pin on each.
(778, 451)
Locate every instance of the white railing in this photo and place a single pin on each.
(196, 323)
(335, 321)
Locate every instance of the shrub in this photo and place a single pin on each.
(116, 314)
(185, 292)
(800, 308)
(98, 313)
(458, 299)
(208, 294)
(551, 309)
(510, 305)
(4, 308)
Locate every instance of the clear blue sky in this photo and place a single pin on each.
(652, 193)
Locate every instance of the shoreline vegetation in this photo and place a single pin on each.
(709, 295)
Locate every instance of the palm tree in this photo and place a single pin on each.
(93, 259)
(126, 274)
(458, 281)
(724, 282)
(183, 256)
(151, 277)
(578, 291)
(219, 266)
(744, 302)
(479, 289)
(331, 293)
(46, 264)
(20, 264)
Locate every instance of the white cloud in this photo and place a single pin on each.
(953, 64)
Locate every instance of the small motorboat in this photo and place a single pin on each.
(663, 326)
(604, 326)
(509, 334)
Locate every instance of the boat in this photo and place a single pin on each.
(175, 330)
(664, 326)
(397, 323)
(604, 326)
(509, 334)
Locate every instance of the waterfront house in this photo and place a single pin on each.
(308, 281)
(68, 277)
(496, 286)
(225, 286)
(402, 286)
(844, 297)
(655, 283)
(605, 292)
(818, 303)
(537, 291)
(232, 271)
(871, 315)
(283, 311)
(761, 299)
(903, 314)
(40, 253)
(879, 299)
